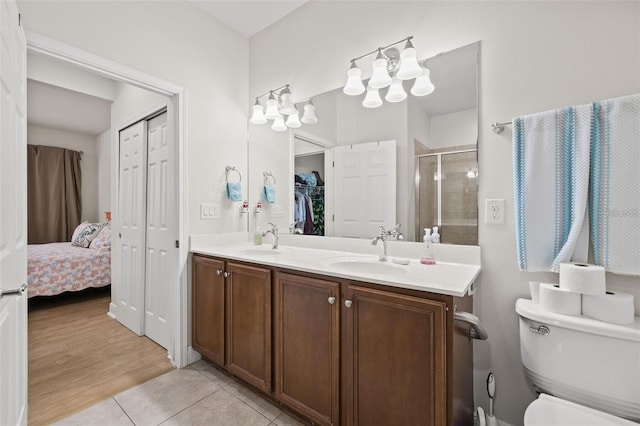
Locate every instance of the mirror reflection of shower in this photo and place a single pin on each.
(446, 194)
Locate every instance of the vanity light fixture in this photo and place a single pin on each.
(282, 110)
(472, 174)
(390, 71)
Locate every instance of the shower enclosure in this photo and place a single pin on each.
(447, 195)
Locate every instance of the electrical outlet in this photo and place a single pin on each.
(494, 211)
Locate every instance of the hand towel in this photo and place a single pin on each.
(269, 193)
(551, 178)
(234, 191)
(614, 204)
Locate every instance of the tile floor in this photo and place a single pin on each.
(196, 395)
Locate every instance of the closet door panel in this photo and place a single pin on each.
(160, 226)
(129, 292)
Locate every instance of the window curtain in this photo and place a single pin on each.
(54, 182)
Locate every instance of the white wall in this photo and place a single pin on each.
(37, 135)
(535, 56)
(177, 42)
(104, 172)
(455, 129)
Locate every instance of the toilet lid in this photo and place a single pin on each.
(548, 410)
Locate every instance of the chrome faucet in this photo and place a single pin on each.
(273, 231)
(381, 237)
(293, 229)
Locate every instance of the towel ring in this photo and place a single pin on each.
(230, 169)
(268, 175)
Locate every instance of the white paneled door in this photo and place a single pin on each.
(364, 188)
(161, 230)
(147, 230)
(13, 226)
(132, 203)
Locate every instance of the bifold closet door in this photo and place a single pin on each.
(161, 257)
(131, 218)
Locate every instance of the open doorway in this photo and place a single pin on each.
(103, 186)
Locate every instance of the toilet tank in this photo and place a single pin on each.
(580, 359)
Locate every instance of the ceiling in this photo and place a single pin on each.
(251, 16)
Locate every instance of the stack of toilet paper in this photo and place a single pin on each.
(582, 290)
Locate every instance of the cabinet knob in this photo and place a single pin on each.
(331, 300)
(348, 303)
(219, 271)
(226, 274)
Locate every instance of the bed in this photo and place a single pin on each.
(56, 268)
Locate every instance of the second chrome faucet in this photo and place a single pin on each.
(273, 231)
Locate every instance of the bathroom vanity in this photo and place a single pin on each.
(338, 337)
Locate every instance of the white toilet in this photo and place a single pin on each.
(591, 368)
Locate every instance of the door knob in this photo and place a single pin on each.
(219, 271)
(348, 303)
(226, 274)
(331, 300)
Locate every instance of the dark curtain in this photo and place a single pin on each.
(54, 182)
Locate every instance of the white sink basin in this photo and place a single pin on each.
(375, 267)
(261, 251)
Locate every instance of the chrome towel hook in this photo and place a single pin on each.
(268, 175)
(230, 169)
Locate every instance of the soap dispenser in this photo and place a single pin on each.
(427, 258)
(435, 237)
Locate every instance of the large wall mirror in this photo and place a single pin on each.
(412, 163)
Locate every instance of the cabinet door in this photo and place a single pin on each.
(249, 324)
(307, 346)
(208, 308)
(395, 359)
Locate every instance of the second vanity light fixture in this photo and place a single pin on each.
(390, 71)
(280, 104)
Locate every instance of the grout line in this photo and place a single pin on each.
(247, 404)
(189, 406)
(123, 410)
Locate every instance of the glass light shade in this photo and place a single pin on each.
(309, 116)
(272, 108)
(286, 103)
(372, 98)
(396, 92)
(422, 86)
(380, 77)
(278, 125)
(409, 67)
(354, 85)
(258, 115)
(293, 121)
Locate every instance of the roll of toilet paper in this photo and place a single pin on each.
(582, 278)
(555, 299)
(616, 308)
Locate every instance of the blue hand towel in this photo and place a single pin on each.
(234, 191)
(269, 193)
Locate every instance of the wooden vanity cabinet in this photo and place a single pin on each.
(394, 359)
(248, 329)
(231, 318)
(307, 346)
(208, 308)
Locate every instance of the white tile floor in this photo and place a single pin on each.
(196, 395)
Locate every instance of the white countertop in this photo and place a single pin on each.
(453, 274)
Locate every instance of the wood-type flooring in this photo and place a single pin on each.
(79, 356)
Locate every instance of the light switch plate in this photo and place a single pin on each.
(277, 210)
(209, 211)
(494, 211)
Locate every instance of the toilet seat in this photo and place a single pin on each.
(548, 410)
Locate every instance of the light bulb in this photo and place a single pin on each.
(380, 77)
(258, 114)
(293, 121)
(272, 108)
(286, 103)
(422, 86)
(278, 125)
(354, 84)
(372, 99)
(409, 67)
(309, 116)
(396, 92)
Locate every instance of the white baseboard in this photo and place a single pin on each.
(112, 309)
(192, 355)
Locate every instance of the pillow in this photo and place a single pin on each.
(84, 238)
(79, 229)
(103, 240)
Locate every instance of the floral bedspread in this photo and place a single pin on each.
(58, 267)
